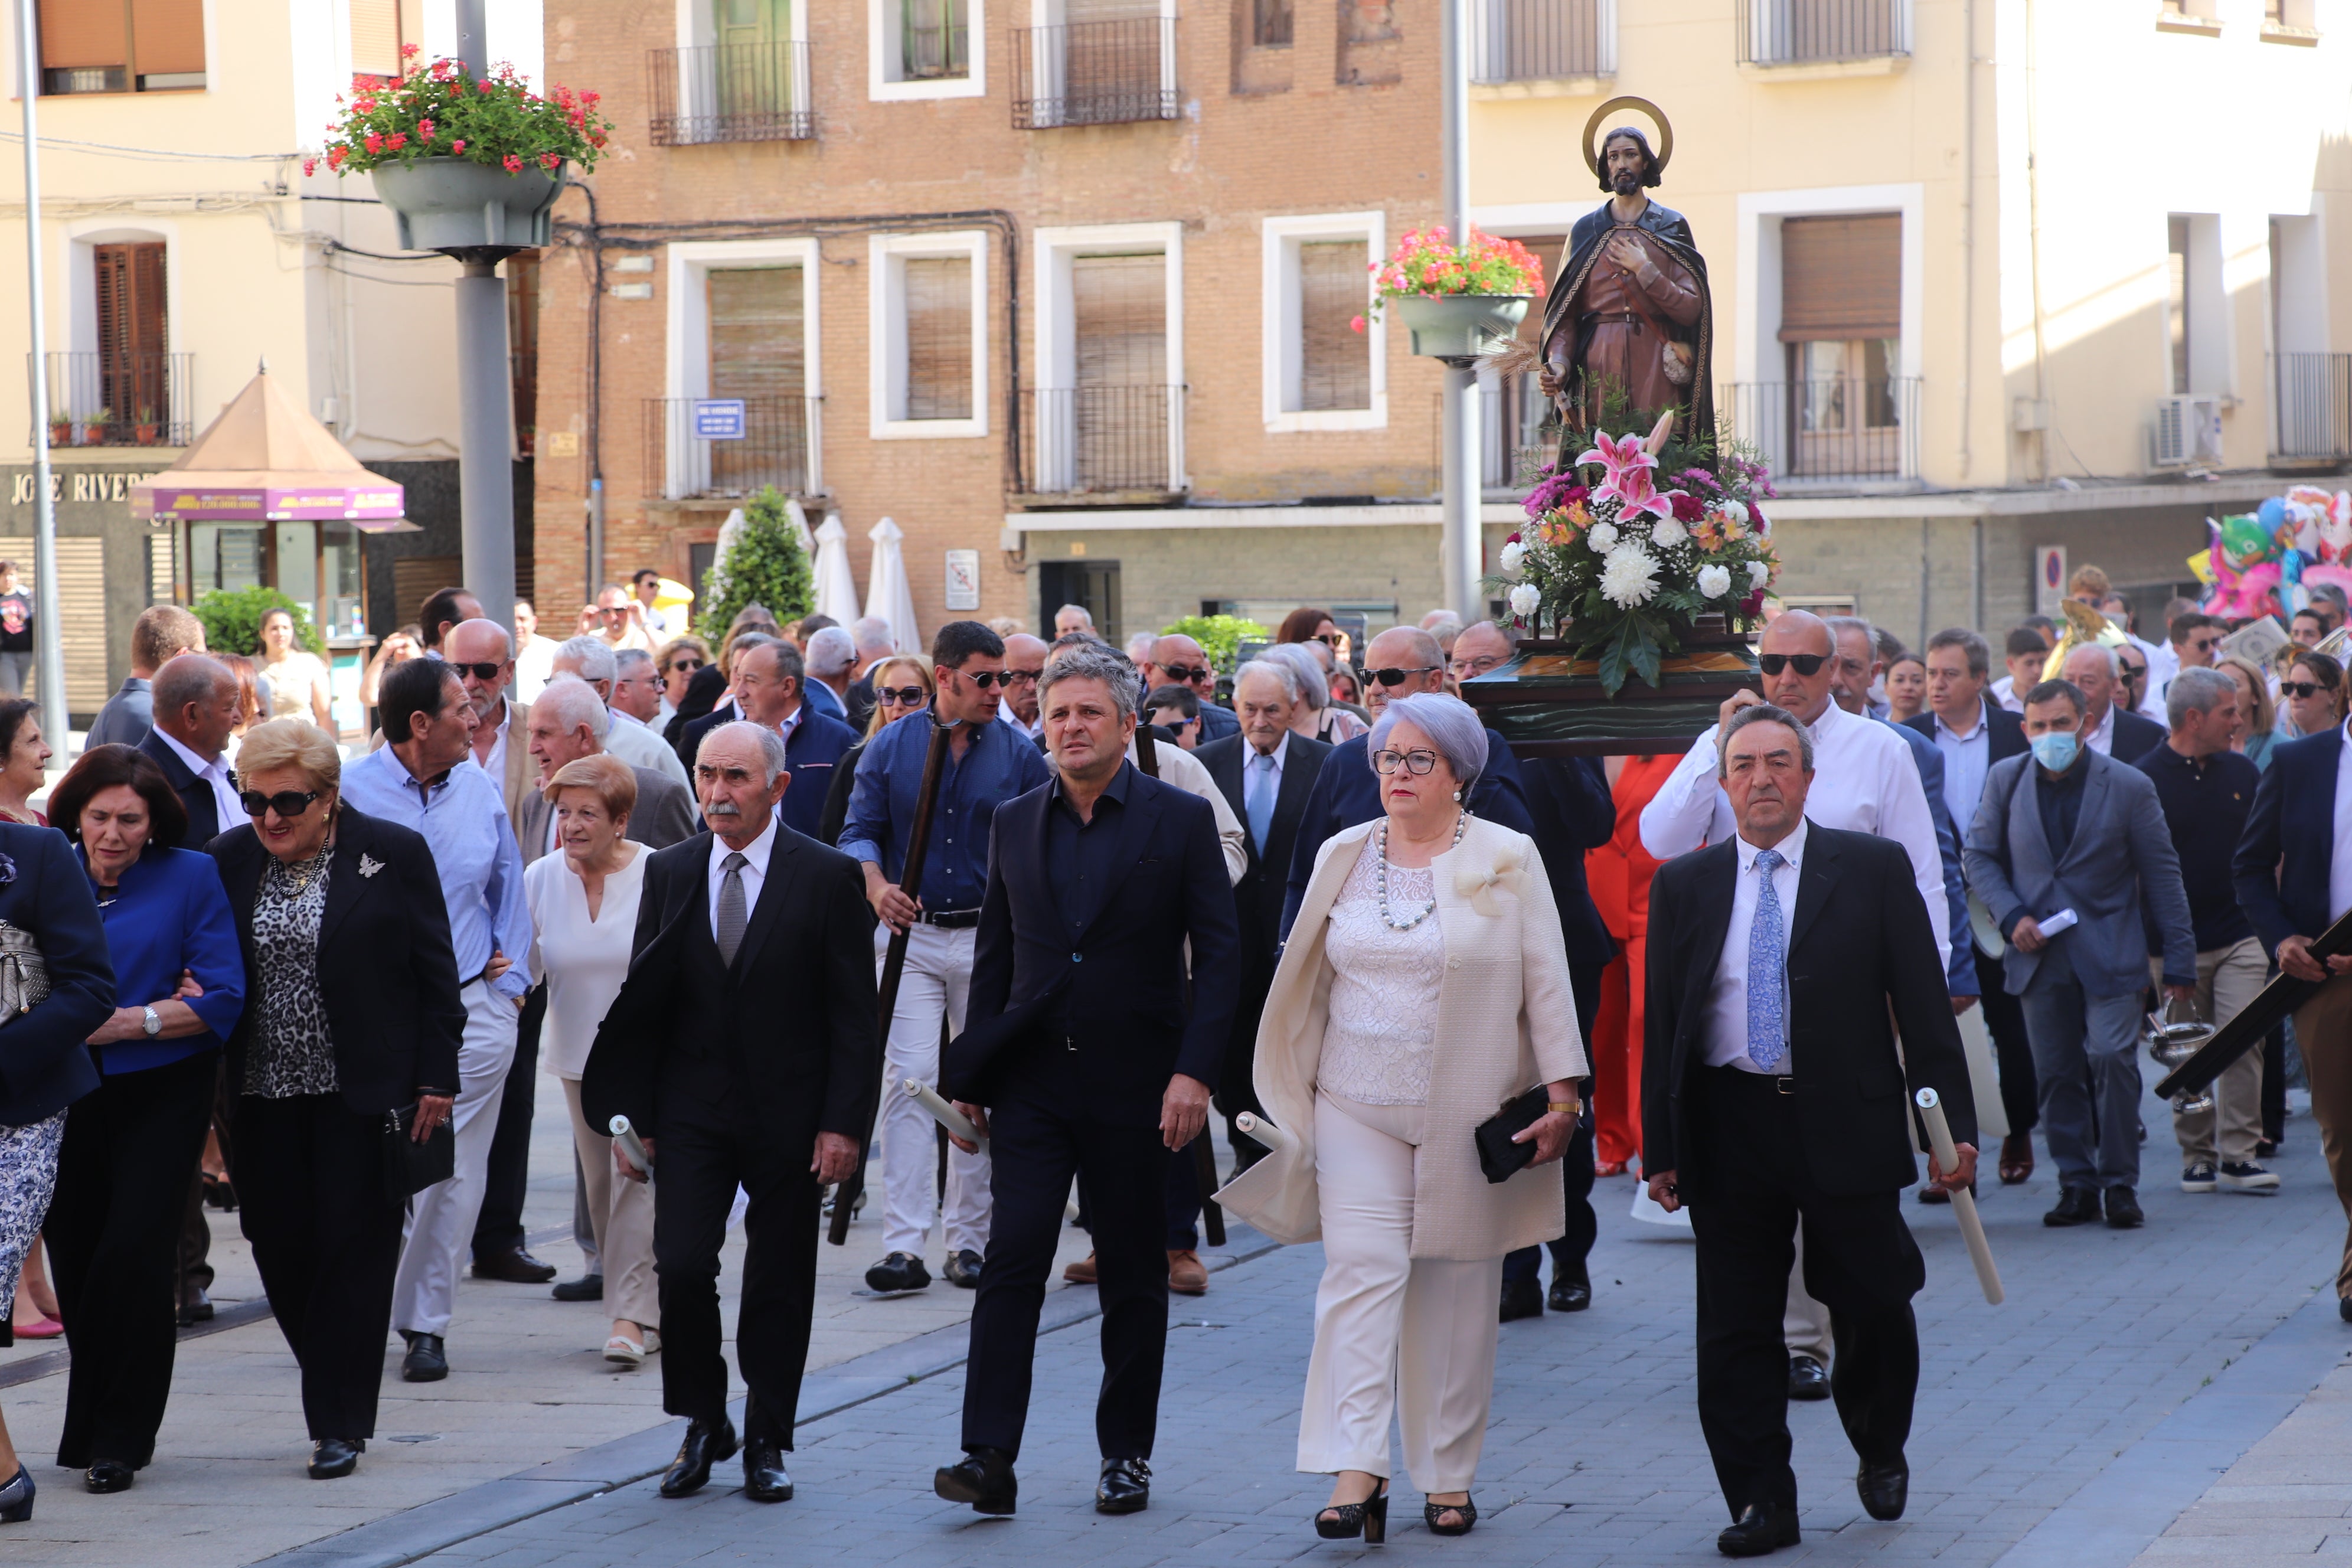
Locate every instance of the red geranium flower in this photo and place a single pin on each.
(513, 163)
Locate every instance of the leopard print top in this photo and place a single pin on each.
(293, 1052)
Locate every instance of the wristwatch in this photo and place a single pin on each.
(152, 1024)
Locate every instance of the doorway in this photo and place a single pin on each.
(1091, 585)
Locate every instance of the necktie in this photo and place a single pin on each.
(731, 908)
(1259, 800)
(1768, 962)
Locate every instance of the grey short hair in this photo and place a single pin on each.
(1110, 666)
(771, 744)
(1085, 615)
(1841, 625)
(628, 659)
(872, 635)
(190, 677)
(831, 651)
(787, 658)
(1279, 669)
(1762, 713)
(2100, 649)
(1451, 725)
(574, 703)
(1314, 680)
(593, 655)
(2196, 691)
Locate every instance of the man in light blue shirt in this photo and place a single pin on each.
(425, 777)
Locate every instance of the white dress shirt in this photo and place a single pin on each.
(629, 740)
(534, 668)
(1967, 758)
(2339, 864)
(1252, 760)
(2005, 691)
(216, 773)
(1727, 1000)
(495, 763)
(1005, 716)
(754, 874)
(2100, 736)
(1864, 781)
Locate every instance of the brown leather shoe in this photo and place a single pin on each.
(1186, 1274)
(1082, 1272)
(2016, 1158)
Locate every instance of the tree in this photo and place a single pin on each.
(232, 618)
(1220, 636)
(764, 565)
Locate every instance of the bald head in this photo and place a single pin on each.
(1795, 639)
(1407, 648)
(471, 644)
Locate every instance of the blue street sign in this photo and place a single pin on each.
(719, 419)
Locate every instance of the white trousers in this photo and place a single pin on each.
(1393, 1333)
(936, 982)
(620, 1218)
(441, 1218)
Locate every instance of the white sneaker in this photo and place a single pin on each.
(2248, 1178)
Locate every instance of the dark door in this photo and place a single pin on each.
(1091, 584)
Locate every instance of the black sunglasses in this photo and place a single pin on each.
(1328, 639)
(984, 678)
(1807, 663)
(2305, 688)
(903, 696)
(686, 663)
(486, 669)
(285, 803)
(1185, 674)
(1398, 677)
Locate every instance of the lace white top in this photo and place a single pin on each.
(1383, 1026)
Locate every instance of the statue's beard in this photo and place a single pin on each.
(1626, 182)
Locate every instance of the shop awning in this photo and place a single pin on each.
(266, 460)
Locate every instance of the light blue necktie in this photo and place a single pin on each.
(1768, 962)
(1259, 799)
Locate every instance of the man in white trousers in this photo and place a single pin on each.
(425, 778)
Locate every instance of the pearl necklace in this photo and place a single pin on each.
(1380, 877)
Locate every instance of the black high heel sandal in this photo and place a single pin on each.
(17, 1498)
(1431, 1513)
(1369, 1519)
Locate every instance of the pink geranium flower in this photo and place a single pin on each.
(1628, 465)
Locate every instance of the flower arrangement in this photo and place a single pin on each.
(1426, 262)
(1620, 568)
(444, 112)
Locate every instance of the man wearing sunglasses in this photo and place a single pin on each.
(1024, 662)
(987, 764)
(1177, 661)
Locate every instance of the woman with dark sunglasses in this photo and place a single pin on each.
(2314, 692)
(675, 665)
(902, 685)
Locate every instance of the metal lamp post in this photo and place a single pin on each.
(484, 414)
(1463, 554)
(49, 629)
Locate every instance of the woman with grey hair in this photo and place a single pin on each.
(1425, 987)
(1315, 716)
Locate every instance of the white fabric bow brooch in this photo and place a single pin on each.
(1478, 886)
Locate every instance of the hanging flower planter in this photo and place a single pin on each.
(1458, 326)
(1457, 301)
(452, 204)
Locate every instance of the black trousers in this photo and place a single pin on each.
(113, 1239)
(1860, 1262)
(709, 1142)
(195, 1236)
(1575, 1244)
(309, 1187)
(1035, 1150)
(500, 1227)
(2021, 1093)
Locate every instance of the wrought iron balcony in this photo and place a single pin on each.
(730, 92)
(1102, 440)
(1821, 32)
(777, 447)
(1093, 73)
(1542, 40)
(2315, 404)
(1832, 428)
(119, 399)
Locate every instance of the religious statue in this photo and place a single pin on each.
(1629, 329)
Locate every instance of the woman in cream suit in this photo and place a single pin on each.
(1424, 984)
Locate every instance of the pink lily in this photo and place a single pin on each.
(1628, 465)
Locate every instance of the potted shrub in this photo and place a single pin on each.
(93, 434)
(61, 432)
(464, 164)
(147, 427)
(1457, 301)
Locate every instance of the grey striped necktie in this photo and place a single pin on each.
(731, 907)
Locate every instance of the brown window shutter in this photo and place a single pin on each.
(758, 336)
(83, 33)
(376, 38)
(939, 336)
(1335, 359)
(168, 36)
(149, 330)
(1840, 278)
(1119, 310)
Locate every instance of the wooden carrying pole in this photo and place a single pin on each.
(894, 962)
(2256, 1020)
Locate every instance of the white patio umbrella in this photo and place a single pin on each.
(888, 594)
(836, 590)
(797, 515)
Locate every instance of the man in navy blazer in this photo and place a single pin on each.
(2294, 873)
(772, 685)
(1089, 1054)
(197, 706)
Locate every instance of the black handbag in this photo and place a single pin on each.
(1500, 1157)
(409, 1166)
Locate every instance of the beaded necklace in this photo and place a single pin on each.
(1381, 877)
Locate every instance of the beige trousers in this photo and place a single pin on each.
(2323, 1033)
(1805, 1322)
(622, 1213)
(1394, 1334)
(2228, 978)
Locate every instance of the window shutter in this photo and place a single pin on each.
(1119, 310)
(168, 36)
(376, 38)
(939, 336)
(1335, 359)
(83, 33)
(1840, 278)
(758, 338)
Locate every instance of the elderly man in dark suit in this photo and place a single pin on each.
(197, 708)
(1781, 962)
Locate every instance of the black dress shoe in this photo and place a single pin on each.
(982, 1478)
(2344, 1307)
(764, 1479)
(195, 1307)
(2076, 1205)
(514, 1266)
(1884, 1487)
(1760, 1530)
(963, 1269)
(109, 1476)
(587, 1288)
(1808, 1379)
(427, 1359)
(899, 1271)
(1125, 1486)
(2122, 1209)
(1571, 1289)
(1522, 1299)
(706, 1444)
(332, 1458)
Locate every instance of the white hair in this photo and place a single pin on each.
(771, 743)
(575, 703)
(872, 635)
(590, 656)
(1314, 680)
(1279, 669)
(1140, 647)
(831, 651)
(629, 659)
(1451, 725)
(1085, 617)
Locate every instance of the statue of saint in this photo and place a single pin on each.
(1628, 325)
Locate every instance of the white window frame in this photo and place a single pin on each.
(1282, 351)
(887, 255)
(83, 238)
(1757, 351)
(1057, 331)
(687, 370)
(697, 28)
(882, 48)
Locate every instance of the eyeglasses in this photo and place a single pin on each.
(1411, 762)
(1328, 639)
(2305, 688)
(484, 670)
(1021, 677)
(900, 696)
(1399, 676)
(285, 803)
(1478, 665)
(1185, 674)
(1807, 664)
(984, 678)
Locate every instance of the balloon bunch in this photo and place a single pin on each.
(2266, 561)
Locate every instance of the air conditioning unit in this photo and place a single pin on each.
(2188, 430)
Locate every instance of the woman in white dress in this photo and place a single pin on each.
(584, 905)
(297, 681)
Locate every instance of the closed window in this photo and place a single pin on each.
(1324, 347)
(1334, 359)
(939, 336)
(380, 30)
(1269, 22)
(122, 46)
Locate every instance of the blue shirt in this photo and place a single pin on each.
(168, 913)
(998, 764)
(1965, 764)
(464, 822)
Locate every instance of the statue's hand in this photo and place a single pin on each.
(1625, 253)
(1549, 382)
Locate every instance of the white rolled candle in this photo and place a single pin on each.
(1964, 1202)
(946, 1115)
(1257, 1126)
(632, 1145)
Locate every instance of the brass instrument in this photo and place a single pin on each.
(2171, 1045)
(2083, 626)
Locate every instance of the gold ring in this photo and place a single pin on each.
(1657, 116)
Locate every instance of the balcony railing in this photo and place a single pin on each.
(730, 92)
(1542, 40)
(119, 399)
(777, 447)
(1811, 32)
(2315, 404)
(1833, 429)
(1102, 440)
(1093, 73)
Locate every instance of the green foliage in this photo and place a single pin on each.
(765, 565)
(232, 619)
(1220, 636)
(445, 113)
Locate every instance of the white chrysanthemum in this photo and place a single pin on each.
(1734, 511)
(1667, 532)
(1524, 598)
(1513, 553)
(1757, 574)
(1714, 582)
(1629, 578)
(1602, 537)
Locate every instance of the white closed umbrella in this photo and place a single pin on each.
(797, 515)
(888, 594)
(836, 590)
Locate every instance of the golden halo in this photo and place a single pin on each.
(1657, 116)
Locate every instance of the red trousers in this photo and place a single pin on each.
(1617, 1056)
